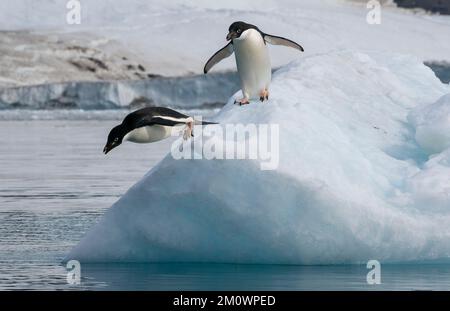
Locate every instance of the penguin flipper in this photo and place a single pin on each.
(275, 40)
(224, 52)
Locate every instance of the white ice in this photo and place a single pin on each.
(356, 179)
(432, 124)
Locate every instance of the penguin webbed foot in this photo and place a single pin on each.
(242, 101)
(188, 131)
(264, 95)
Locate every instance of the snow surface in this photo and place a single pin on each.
(177, 37)
(353, 183)
(432, 124)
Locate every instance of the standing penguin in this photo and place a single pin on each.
(252, 58)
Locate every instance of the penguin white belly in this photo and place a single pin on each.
(253, 63)
(148, 134)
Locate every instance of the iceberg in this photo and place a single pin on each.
(363, 173)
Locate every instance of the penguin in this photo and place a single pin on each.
(148, 125)
(248, 43)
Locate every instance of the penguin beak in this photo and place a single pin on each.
(231, 35)
(109, 147)
(106, 149)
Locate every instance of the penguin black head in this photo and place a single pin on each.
(114, 138)
(237, 28)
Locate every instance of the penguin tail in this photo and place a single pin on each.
(197, 122)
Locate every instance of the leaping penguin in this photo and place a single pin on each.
(252, 58)
(148, 125)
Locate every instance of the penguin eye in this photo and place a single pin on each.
(116, 139)
(238, 31)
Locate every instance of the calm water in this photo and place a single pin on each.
(55, 183)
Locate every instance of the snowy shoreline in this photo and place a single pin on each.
(189, 92)
(170, 38)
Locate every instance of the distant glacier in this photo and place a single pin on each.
(189, 92)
